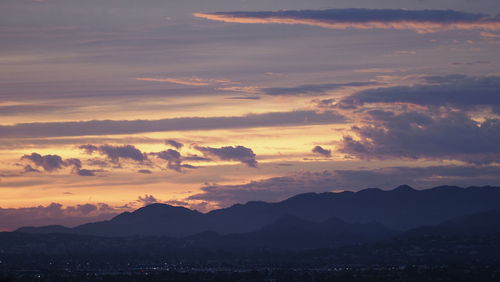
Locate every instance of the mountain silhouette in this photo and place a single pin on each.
(293, 233)
(402, 209)
(478, 224)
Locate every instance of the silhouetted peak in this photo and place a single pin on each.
(163, 210)
(303, 197)
(370, 190)
(404, 188)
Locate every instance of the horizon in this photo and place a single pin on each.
(108, 106)
(256, 201)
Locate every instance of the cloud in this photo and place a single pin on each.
(48, 162)
(52, 163)
(174, 143)
(28, 169)
(272, 189)
(449, 135)
(88, 172)
(196, 158)
(421, 21)
(174, 159)
(115, 153)
(459, 91)
(145, 171)
(313, 89)
(109, 127)
(147, 200)
(55, 213)
(319, 150)
(244, 98)
(190, 81)
(280, 188)
(239, 153)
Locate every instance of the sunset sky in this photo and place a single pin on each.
(108, 105)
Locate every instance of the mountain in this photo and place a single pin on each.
(152, 220)
(45, 229)
(478, 224)
(402, 209)
(293, 233)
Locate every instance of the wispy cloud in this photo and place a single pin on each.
(109, 127)
(422, 21)
(191, 81)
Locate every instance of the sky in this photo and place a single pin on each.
(110, 105)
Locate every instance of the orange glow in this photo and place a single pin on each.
(419, 27)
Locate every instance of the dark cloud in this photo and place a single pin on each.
(325, 103)
(83, 209)
(147, 200)
(418, 20)
(196, 158)
(55, 213)
(459, 91)
(51, 163)
(89, 149)
(313, 89)
(87, 172)
(280, 188)
(177, 203)
(145, 171)
(473, 63)
(28, 169)
(30, 109)
(244, 98)
(172, 157)
(239, 153)
(174, 143)
(451, 135)
(48, 162)
(174, 160)
(321, 151)
(115, 153)
(108, 127)
(98, 162)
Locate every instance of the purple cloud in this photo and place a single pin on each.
(239, 153)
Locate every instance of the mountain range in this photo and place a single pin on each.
(397, 210)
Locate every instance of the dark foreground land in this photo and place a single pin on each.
(412, 273)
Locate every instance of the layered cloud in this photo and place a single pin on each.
(174, 159)
(110, 127)
(55, 213)
(313, 89)
(280, 188)
(449, 135)
(190, 81)
(116, 153)
(52, 163)
(422, 21)
(229, 153)
(459, 91)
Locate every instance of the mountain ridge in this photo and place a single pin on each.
(402, 208)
